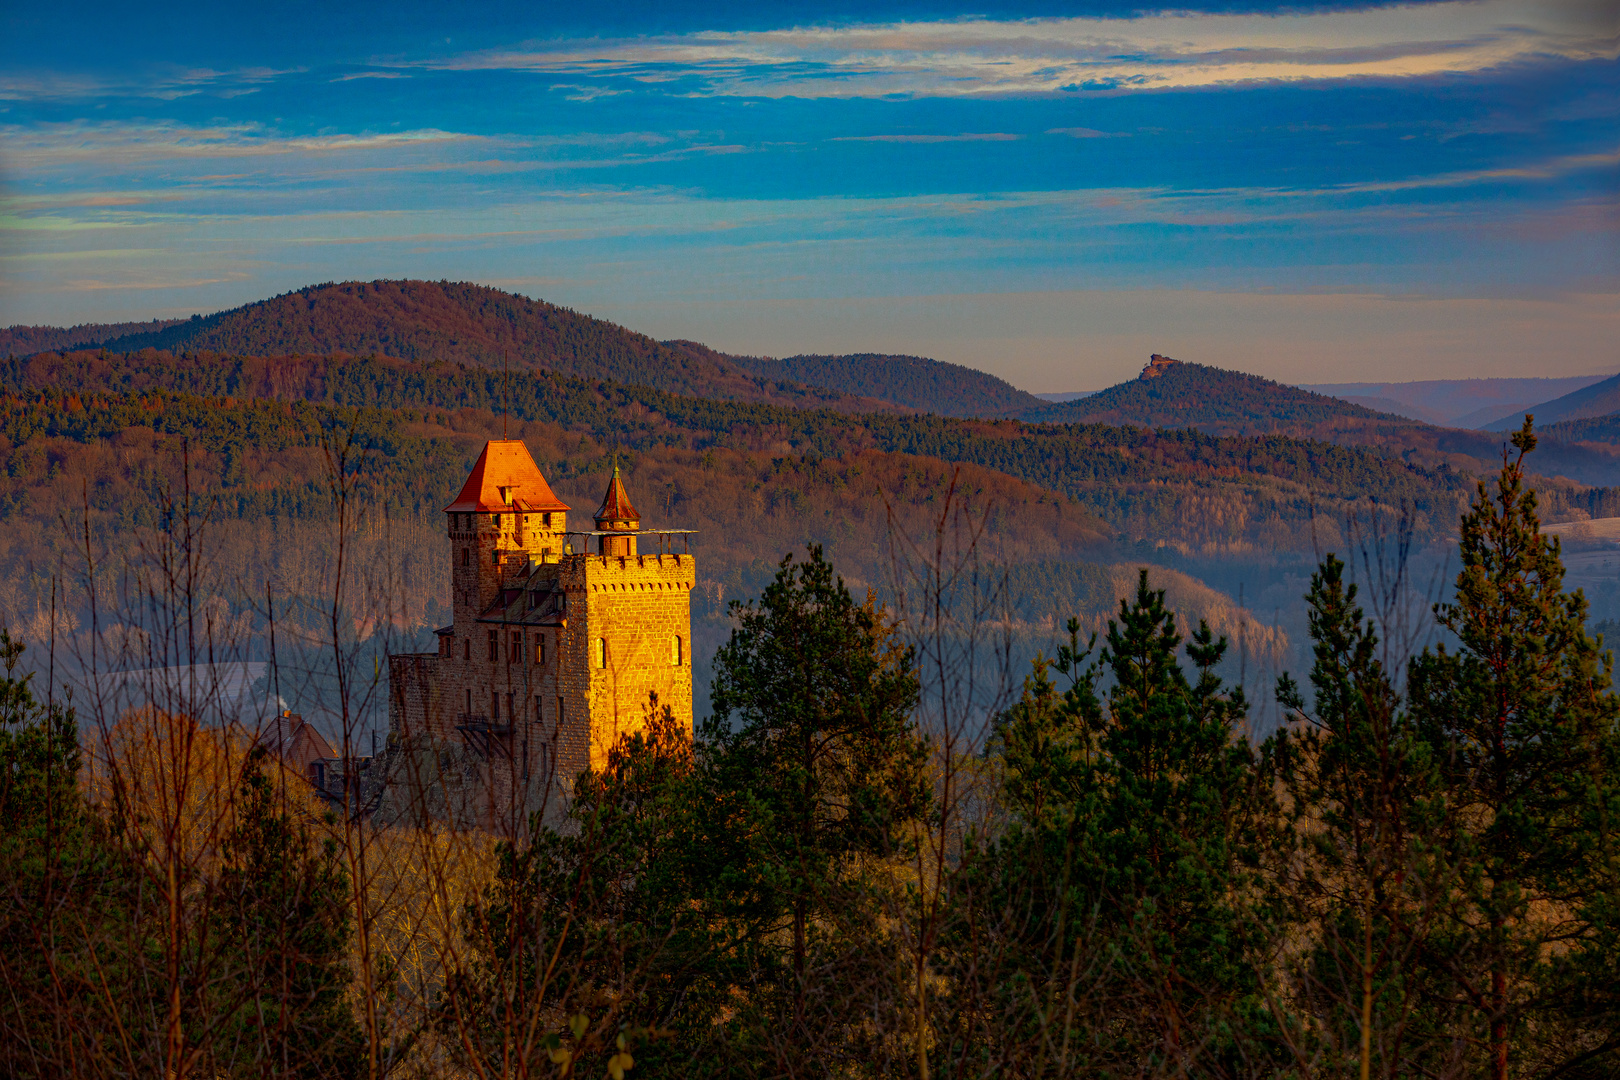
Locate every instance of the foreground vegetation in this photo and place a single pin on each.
(871, 862)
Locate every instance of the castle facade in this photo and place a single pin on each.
(558, 636)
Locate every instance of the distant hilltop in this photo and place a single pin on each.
(1157, 365)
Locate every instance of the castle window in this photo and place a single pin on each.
(601, 652)
(540, 649)
(494, 558)
(545, 519)
(675, 651)
(466, 557)
(559, 712)
(496, 518)
(466, 654)
(494, 647)
(517, 647)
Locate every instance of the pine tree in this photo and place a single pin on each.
(1359, 786)
(1524, 725)
(65, 903)
(812, 731)
(286, 922)
(1046, 741)
(1171, 832)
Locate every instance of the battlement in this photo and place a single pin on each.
(552, 654)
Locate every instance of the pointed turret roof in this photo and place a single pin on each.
(505, 477)
(616, 503)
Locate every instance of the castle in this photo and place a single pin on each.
(552, 652)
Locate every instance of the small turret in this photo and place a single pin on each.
(617, 515)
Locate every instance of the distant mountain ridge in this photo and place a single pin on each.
(459, 322)
(27, 340)
(1214, 400)
(913, 381)
(1460, 403)
(1598, 399)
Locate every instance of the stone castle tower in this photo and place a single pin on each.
(558, 639)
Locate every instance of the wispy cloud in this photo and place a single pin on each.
(991, 136)
(1087, 133)
(353, 75)
(111, 144)
(165, 83)
(981, 56)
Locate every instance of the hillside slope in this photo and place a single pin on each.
(1588, 429)
(1186, 489)
(457, 322)
(27, 340)
(1599, 399)
(913, 381)
(1172, 394)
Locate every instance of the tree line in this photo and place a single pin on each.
(1415, 876)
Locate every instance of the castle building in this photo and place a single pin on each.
(558, 637)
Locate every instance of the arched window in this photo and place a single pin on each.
(601, 652)
(675, 651)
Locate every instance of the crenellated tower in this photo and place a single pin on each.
(553, 648)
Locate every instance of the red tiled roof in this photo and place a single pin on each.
(506, 463)
(616, 503)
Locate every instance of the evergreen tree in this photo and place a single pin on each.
(813, 744)
(1046, 741)
(1360, 794)
(65, 911)
(285, 921)
(1127, 884)
(610, 919)
(1525, 729)
(1171, 830)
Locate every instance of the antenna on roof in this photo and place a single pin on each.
(506, 392)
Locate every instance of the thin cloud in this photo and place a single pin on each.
(1088, 133)
(980, 56)
(370, 75)
(993, 136)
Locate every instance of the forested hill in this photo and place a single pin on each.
(914, 381)
(27, 340)
(1193, 491)
(469, 324)
(1214, 400)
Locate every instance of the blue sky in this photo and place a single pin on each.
(1317, 192)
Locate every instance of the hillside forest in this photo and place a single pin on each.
(885, 851)
(1201, 727)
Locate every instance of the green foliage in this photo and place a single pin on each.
(1362, 789)
(39, 752)
(285, 910)
(813, 728)
(1143, 817)
(612, 918)
(1047, 742)
(1525, 728)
